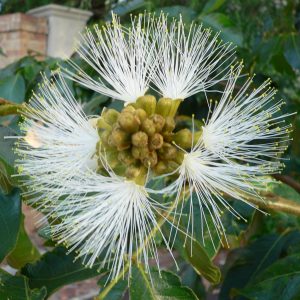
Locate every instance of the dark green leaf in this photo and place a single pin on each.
(221, 22)
(166, 286)
(283, 190)
(13, 88)
(10, 218)
(117, 292)
(56, 269)
(281, 281)
(244, 264)
(187, 13)
(7, 155)
(212, 5)
(16, 288)
(24, 251)
(292, 50)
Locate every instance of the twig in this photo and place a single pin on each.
(289, 181)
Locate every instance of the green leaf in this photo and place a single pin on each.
(187, 13)
(166, 286)
(281, 281)
(10, 219)
(283, 190)
(117, 292)
(24, 251)
(7, 155)
(212, 5)
(222, 23)
(13, 88)
(292, 50)
(56, 269)
(197, 256)
(244, 264)
(16, 288)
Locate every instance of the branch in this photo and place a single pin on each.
(275, 202)
(10, 108)
(289, 181)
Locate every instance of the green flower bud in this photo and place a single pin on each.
(139, 153)
(183, 138)
(147, 103)
(129, 121)
(141, 114)
(169, 124)
(110, 116)
(126, 157)
(159, 122)
(156, 141)
(120, 139)
(137, 174)
(150, 160)
(148, 127)
(164, 106)
(167, 152)
(139, 139)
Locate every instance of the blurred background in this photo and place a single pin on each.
(37, 35)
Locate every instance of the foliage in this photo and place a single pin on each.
(264, 261)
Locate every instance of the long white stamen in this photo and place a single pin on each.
(190, 60)
(123, 59)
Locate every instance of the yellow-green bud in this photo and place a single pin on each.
(169, 124)
(174, 108)
(129, 108)
(137, 174)
(167, 152)
(150, 160)
(164, 106)
(129, 121)
(183, 138)
(126, 157)
(141, 114)
(110, 116)
(147, 103)
(148, 127)
(103, 125)
(159, 122)
(156, 141)
(139, 153)
(139, 139)
(120, 139)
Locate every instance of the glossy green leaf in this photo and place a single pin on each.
(221, 22)
(244, 264)
(292, 49)
(283, 190)
(16, 288)
(10, 220)
(117, 292)
(166, 286)
(24, 251)
(281, 281)
(56, 269)
(12, 88)
(212, 5)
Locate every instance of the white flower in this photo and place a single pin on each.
(107, 217)
(190, 59)
(58, 139)
(248, 127)
(204, 177)
(123, 59)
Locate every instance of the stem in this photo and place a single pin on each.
(275, 202)
(160, 222)
(289, 181)
(10, 109)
